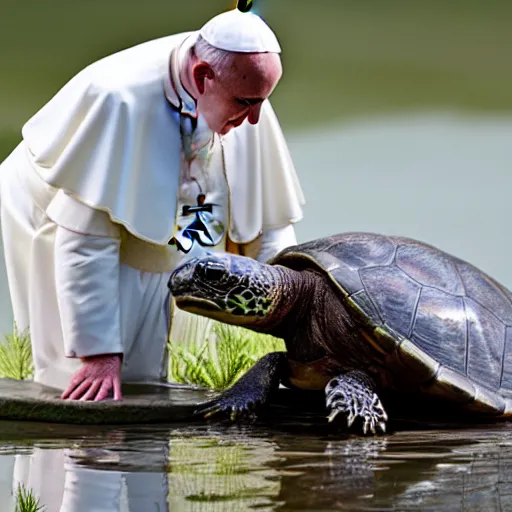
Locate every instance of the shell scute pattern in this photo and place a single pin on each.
(487, 292)
(429, 267)
(451, 311)
(441, 316)
(394, 294)
(486, 340)
(506, 372)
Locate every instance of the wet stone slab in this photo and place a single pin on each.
(168, 403)
(142, 403)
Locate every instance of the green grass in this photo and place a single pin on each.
(216, 363)
(219, 361)
(26, 501)
(16, 356)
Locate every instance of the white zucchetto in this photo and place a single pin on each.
(238, 31)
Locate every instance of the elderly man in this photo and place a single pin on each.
(146, 157)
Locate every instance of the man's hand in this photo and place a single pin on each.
(98, 375)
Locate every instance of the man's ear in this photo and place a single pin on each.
(200, 72)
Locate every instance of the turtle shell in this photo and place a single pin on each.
(447, 322)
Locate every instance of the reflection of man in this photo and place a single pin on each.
(66, 480)
(95, 198)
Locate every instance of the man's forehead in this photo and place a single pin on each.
(255, 62)
(254, 74)
(251, 91)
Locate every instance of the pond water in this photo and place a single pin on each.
(281, 467)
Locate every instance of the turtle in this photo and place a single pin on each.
(361, 314)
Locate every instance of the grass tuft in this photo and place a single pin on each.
(16, 356)
(219, 361)
(26, 501)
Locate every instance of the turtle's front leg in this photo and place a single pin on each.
(353, 394)
(250, 391)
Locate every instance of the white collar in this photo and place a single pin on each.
(174, 90)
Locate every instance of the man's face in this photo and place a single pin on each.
(236, 94)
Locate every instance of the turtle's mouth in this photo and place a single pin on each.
(214, 311)
(197, 306)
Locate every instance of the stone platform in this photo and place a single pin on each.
(142, 403)
(167, 403)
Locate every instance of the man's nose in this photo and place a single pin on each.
(254, 113)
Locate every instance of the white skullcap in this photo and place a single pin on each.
(237, 31)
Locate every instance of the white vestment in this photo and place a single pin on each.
(93, 195)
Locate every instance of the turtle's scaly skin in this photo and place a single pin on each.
(449, 323)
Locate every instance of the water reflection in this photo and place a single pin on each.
(218, 472)
(103, 473)
(264, 467)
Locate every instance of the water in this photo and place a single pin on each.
(211, 467)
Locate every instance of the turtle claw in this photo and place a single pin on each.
(209, 412)
(248, 394)
(235, 407)
(369, 423)
(351, 418)
(351, 395)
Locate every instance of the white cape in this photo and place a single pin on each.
(111, 139)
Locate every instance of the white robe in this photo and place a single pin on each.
(89, 202)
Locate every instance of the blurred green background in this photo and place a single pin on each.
(342, 58)
(398, 113)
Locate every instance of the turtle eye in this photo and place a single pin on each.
(212, 271)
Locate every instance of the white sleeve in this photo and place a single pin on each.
(86, 278)
(275, 240)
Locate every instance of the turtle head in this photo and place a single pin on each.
(232, 289)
